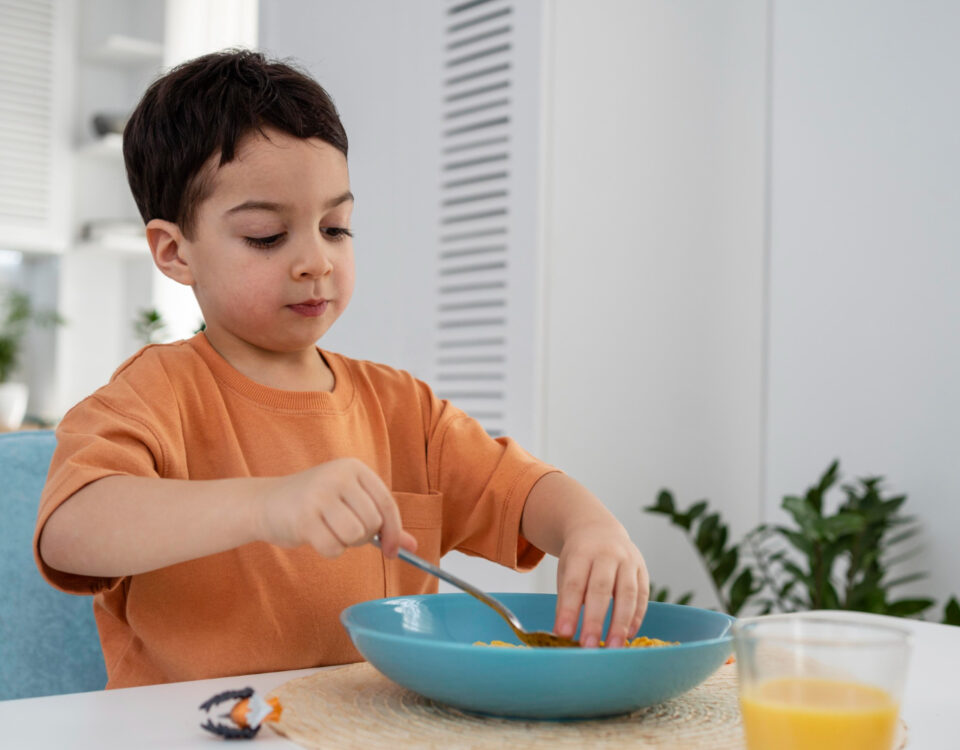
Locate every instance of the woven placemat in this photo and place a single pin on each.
(357, 707)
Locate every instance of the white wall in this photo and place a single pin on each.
(379, 62)
(865, 256)
(703, 330)
(654, 252)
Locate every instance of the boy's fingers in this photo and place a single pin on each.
(572, 583)
(599, 590)
(624, 606)
(643, 598)
(341, 521)
(391, 527)
(367, 512)
(323, 541)
(408, 541)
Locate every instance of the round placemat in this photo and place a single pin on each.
(357, 707)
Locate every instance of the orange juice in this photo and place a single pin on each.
(797, 713)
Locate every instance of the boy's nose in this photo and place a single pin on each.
(313, 260)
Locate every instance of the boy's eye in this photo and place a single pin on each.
(264, 242)
(336, 233)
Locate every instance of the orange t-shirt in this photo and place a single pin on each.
(181, 411)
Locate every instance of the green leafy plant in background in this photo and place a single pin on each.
(840, 560)
(149, 325)
(16, 315)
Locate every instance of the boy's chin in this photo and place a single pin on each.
(293, 344)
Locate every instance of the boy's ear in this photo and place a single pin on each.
(166, 244)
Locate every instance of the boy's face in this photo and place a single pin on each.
(271, 261)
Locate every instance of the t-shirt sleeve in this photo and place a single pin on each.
(106, 434)
(485, 483)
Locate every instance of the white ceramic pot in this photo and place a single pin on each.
(13, 405)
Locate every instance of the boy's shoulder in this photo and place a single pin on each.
(369, 369)
(153, 375)
(382, 379)
(145, 386)
(146, 362)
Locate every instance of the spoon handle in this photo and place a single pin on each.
(450, 578)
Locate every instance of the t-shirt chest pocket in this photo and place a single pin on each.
(422, 517)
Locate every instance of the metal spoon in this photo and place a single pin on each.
(529, 637)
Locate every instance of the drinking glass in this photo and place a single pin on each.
(820, 682)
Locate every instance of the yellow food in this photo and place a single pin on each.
(639, 642)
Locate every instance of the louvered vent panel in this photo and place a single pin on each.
(474, 263)
(26, 96)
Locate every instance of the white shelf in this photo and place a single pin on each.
(121, 50)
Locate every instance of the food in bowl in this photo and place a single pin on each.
(638, 642)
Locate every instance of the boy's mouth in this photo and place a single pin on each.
(311, 308)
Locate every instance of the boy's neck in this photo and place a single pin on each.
(303, 370)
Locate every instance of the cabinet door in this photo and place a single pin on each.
(35, 94)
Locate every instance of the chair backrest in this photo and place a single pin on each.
(48, 639)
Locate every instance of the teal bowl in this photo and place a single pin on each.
(425, 643)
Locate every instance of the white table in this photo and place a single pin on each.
(167, 716)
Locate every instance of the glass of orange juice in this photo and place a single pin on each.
(820, 682)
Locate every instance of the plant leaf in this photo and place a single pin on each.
(716, 550)
(841, 524)
(908, 607)
(892, 505)
(664, 504)
(827, 479)
(706, 531)
(696, 509)
(798, 540)
(804, 514)
(740, 591)
(658, 594)
(830, 598)
(951, 613)
(725, 567)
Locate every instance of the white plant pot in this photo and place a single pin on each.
(13, 405)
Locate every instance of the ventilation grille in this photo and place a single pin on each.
(26, 97)
(474, 263)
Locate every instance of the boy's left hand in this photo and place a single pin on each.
(598, 561)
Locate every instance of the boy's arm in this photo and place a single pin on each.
(124, 525)
(597, 560)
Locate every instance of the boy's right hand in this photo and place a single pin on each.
(331, 506)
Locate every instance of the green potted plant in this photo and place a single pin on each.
(847, 559)
(16, 315)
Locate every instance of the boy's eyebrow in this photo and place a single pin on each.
(271, 206)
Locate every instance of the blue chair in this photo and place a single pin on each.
(48, 639)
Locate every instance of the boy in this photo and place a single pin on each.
(218, 495)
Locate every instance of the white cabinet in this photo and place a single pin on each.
(62, 62)
(106, 275)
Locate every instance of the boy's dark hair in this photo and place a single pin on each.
(206, 106)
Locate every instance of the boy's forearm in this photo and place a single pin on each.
(122, 525)
(556, 504)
